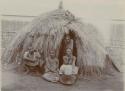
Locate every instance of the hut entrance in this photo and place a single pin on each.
(63, 46)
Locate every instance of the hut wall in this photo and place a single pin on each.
(116, 46)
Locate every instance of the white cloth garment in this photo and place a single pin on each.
(68, 69)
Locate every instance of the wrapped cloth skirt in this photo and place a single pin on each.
(51, 76)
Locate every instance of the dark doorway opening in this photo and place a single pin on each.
(62, 49)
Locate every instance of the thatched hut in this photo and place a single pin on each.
(48, 31)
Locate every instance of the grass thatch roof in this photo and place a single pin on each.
(47, 31)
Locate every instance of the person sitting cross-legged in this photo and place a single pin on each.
(31, 60)
(68, 71)
(51, 68)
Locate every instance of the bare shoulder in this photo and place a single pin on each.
(64, 56)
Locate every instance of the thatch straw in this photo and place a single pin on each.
(47, 31)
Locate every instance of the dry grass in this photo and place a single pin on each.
(47, 31)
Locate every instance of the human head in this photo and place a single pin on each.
(68, 51)
(67, 38)
(35, 50)
(52, 53)
(29, 48)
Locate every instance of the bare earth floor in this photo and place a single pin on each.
(15, 82)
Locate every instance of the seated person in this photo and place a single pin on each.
(51, 68)
(31, 59)
(68, 71)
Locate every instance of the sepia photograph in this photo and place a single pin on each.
(62, 45)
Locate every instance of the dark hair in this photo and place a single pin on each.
(52, 50)
(31, 51)
(67, 35)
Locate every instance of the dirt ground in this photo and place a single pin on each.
(12, 81)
